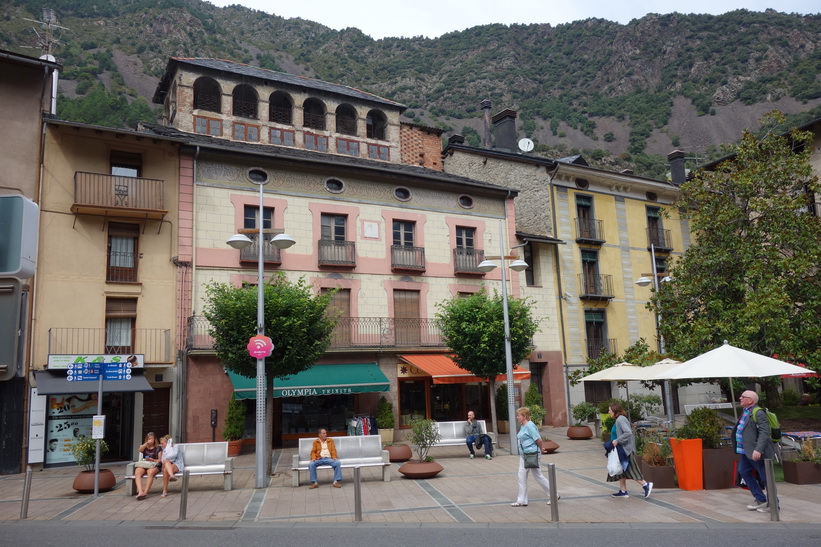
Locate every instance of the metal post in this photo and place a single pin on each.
(772, 491)
(261, 451)
(511, 405)
(357, 493)
(668, 390)
(554, 496)
(184, 494)
(97, 449)
(24, 507)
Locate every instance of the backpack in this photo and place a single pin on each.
(775, 426)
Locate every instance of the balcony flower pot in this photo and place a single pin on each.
(802, 472)
(687, 454)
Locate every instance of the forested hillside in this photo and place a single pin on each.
(623, 94)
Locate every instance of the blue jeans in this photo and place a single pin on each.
(472, 439)
(745, 468)
(325, 461)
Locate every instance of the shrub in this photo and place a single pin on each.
(790, 397)
(234, 426)
(384, 414)
(582, 412)
(501, 403)
(85, 451)
(702, 423)
(423, 435)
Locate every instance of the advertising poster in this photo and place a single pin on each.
(69, 417)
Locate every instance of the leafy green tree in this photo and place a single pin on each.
(295, 319)
(751, 277)
(474, 329)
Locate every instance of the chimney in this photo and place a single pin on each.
(677, 172)
(486, 106)
(505, 127)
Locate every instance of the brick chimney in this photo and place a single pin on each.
(505, 128)
(486, 105)
(677, 172)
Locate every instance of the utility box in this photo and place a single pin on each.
(19, 226)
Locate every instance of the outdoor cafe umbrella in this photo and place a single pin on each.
(621, 372)
(728, 361)
(652, 372)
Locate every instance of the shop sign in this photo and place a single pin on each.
(62, 362)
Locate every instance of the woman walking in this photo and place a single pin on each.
(622, 435)
(530, 442)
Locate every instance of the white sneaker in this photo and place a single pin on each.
(757, 505)
(472, 456)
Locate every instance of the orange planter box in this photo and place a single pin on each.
(689, 465)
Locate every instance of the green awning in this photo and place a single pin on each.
(319, 380)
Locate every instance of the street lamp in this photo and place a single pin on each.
(241, 241)
(517, 265)
(644, 281)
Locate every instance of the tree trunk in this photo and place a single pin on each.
(770, 387)
(494, 423)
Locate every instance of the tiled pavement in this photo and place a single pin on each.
(466, 491)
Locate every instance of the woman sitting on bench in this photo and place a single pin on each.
(171, 463)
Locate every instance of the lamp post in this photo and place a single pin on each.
(644, 281)
(517, 265)
(241, 241)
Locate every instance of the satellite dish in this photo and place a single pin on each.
(525, 145)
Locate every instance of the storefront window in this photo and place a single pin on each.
(302, 415)
(447, 402)
(412, 401)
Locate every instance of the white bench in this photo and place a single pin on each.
(351, 451)
(453, 433)
(198, 459)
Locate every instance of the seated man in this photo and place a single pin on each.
(323, 452)
(473, 431)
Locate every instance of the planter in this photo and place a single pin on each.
(687, 457)
(549, 447)
(420, 470)
(718, 468)
(662, 476)
(503, 426)
(386, 435)
(84, 482)
(802, 472)
(234, 448)
(579, 432)
(399, 452)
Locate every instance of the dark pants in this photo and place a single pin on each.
(756, 485)
(472, 439)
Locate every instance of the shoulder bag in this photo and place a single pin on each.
(531, 460)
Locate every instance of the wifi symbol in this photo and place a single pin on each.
(260, 346)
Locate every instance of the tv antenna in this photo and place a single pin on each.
(46, 41)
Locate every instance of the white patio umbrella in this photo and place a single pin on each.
(621, 372)
(652, 372)
(728, 361)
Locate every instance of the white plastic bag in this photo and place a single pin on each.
(613, 463)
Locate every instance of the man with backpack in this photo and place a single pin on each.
(751, 439)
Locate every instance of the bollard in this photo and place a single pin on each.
(184, 494)
(554, 497)
(772, 491)
(357, 493)
(24, 507)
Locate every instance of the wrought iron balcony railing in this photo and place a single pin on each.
(595, 287)
(122, 267)
(337, 253)
(407, 258)
(467, 260)
(660, 239)
(155, 344)
(589, 230)
(270, 254)
(350, 332)
(596, 346)
(99, 194)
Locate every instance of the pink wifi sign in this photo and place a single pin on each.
(260, 346)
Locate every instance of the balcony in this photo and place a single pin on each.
(122, 267)
(589, 231)
(106, 195)
(350, 332)
(337, 253)
(467, 260)
(660, 239)
(270, 254)
(155, 344)
(595, 287)
(407, 258)
(597, 346)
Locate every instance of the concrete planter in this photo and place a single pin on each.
(420, 470)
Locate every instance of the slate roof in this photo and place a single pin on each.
(317, 158)
(248, 71)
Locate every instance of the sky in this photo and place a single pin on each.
(432, 18)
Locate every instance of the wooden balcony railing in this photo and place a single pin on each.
(407, 258)
(99, 194)
(337, 253)
(155, 344)
(466, 261)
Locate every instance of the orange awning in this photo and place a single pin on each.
(445, 371)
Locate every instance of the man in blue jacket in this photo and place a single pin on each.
(751, 439)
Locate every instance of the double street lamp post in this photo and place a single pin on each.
(517, 265)
(280, 241)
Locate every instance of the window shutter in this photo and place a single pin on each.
(120, 307)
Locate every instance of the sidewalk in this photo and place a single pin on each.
(467, 491)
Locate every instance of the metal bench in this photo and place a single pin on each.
(352, 451)
(453, 433)
(198, 459)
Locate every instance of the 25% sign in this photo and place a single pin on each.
(260, 347)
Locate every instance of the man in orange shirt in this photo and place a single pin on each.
(323, 452)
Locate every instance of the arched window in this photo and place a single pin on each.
(377, 125)
(346, 119)
(245, 101)
(280, 108)
(313, 114)
(207, 94)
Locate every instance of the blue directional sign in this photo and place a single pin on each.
(81, 372)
